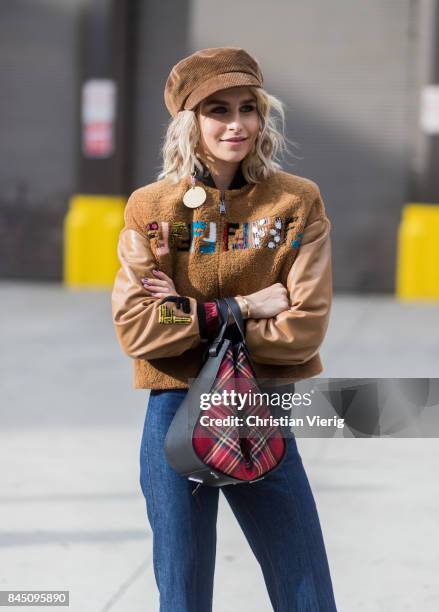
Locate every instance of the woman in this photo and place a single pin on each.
(224, 220)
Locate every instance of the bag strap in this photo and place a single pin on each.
(236, 311)
(223, 309)
(237, 315)
(225, 305)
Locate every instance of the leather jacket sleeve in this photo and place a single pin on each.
(145, 328)
(295, 335)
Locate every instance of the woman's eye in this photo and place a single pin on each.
(247, 108)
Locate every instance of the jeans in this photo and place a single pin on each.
(277, 514)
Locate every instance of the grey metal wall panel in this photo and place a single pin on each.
(162, 39)
(38, 125)
(38, 81)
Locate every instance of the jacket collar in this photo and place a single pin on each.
(205, 177)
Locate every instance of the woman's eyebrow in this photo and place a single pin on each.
(225, 103)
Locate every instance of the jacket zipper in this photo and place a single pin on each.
(222, 207)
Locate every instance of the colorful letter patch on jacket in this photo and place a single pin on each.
(166, 314)
(168, 317)
(202, 236)
(297, 240)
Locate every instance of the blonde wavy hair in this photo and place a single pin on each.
(183, 133)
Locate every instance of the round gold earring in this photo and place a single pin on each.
(195, 196)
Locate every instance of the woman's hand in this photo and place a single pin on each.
(160, 286)
(268, 302)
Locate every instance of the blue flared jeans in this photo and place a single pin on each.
(278, 516)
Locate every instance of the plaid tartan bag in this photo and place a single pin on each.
(230, 442)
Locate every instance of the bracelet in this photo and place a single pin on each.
(247, 305)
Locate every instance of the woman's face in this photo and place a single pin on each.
(229, 125)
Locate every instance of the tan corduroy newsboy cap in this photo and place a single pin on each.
(203, 73)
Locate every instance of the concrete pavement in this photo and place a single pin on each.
(72, 515)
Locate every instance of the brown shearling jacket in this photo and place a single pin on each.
(238, 242)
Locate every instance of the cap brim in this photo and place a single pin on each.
(218, 82)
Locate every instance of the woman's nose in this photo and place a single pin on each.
(235, 121)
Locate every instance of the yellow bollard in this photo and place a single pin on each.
(91, 230)
(417, 273)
